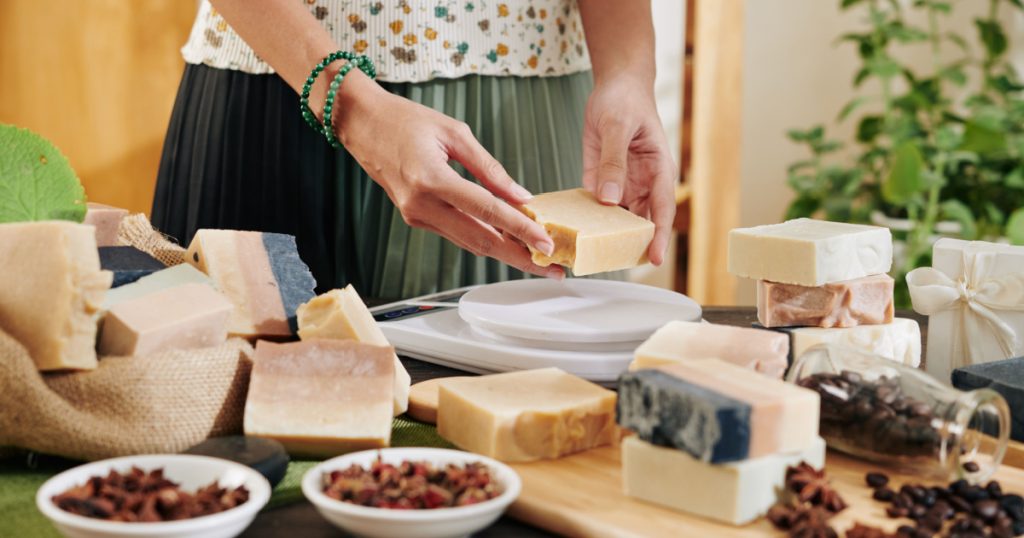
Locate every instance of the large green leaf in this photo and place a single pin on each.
(992, 36)
(868, 128)
(904, 178)
(958, 211)
(982, 139)
(36, 181)
(1015, 227)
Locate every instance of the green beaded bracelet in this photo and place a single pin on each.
(307, 113)
(366, 66)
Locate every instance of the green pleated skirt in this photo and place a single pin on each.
(238, 155)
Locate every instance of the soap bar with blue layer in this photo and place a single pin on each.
(128, 264)
(1005, 377)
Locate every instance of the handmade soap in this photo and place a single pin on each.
(321, 398)
(762, 351)
(342, 314)
(106, 220)
(128, 264)
(734, 493)
(809, 252)
(973, 296)
(1005, 377)
(261, 273)
(526, 415)
(861, 301)
(52, 290)
(189, 316)
(160, 280)
(589, 237)
(899, 340)
(717, 411)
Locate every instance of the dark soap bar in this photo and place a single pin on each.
(1005, 377)
(294, 279)
(128, 264)
(668, 411)
(266, 456)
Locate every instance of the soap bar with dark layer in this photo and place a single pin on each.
(128, 264)
(1005, 377)
(266, 456)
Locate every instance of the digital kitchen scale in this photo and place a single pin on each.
(586, 327)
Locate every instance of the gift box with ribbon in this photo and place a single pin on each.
(974, 297)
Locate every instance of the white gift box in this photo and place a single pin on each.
(974, 297)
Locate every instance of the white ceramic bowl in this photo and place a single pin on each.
(432, 523)
(191, 472)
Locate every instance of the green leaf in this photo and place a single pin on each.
(947, 138)
(958, 40)
(1017, 3)
(958, 211)
(854, 103)
(992, 36)
(36, 181)
(797, 166)
(861, 76)
(1015, 179)
(884, 67)
(994, 214)
(954, 74)
(846, 4)
(869, 127)
(904, 178)
(1015, 227)
(982, 139)
(802, 207)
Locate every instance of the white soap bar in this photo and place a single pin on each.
(765, 352)
(341, 314)
(809, 252)
(161, 280)
(899, 340)
(734, 493)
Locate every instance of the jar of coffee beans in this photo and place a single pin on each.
(885, 412)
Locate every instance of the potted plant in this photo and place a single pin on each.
(937, 150)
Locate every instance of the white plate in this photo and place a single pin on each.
(575, 310)
(191, 472)
(434, 523)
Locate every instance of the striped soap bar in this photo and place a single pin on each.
(261, 273)
(128, 264)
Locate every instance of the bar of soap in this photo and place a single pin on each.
(128, 264)
(52, 290)
(589, 237)
(321, 398)
(765, 352)
(342, 314)
(717, 411)
(261, 273)
(809, 252)
(266, 456)
(734, 493)
(861, 301)
(157, 281)
(107, 221)
(899, 340)
(527, 415)
(1005, 377)
(189, 316)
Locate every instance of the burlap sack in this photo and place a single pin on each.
(136, 231)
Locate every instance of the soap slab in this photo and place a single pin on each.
(107, 221)
(160, 280)
(899, 340)
(809, 252)
(342, 314)
(53, 287)
(861, 301)
(716, 411)
(765, 352)
(589, 237)
(1005, 377)
(261, 273)
(321, 398)
(189, 316)
(734, 493)
(128, 264)
(527, 415)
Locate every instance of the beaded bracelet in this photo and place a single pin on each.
(366, 66)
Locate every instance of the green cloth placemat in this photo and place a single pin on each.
(19, 517)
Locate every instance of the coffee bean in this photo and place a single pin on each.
(1015, 512)
(929, 498)
(851, 377)
(896, 512)
(931, 523)
(959, 504)
(1018, 527)
(994, 489)
(1001, 531)
(1011, 500)
(959, 486)
(971, 467)
(876, 480)
(905, 531)
(903, 500)
(941, 510)
(921, 409)
(917, 511)
(974, 494)
(884, 494)
(986, 509)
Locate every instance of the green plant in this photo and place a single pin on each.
(941, 143)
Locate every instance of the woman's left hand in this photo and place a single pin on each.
(626, 160)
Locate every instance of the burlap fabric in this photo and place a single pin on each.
(136, 231)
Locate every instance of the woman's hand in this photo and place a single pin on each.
(406, 147)
(626, 160)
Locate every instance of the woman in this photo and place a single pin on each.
(465, 88)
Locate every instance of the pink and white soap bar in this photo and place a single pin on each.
(765, 352)
(861, 301)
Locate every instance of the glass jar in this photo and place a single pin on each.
(885, 412)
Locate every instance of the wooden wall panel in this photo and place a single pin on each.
(98, 78)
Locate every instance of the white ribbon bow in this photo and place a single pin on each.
(978, 298)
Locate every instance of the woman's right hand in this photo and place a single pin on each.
(406, 147)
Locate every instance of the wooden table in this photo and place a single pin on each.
(301, 519)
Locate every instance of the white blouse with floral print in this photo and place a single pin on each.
(415, 41)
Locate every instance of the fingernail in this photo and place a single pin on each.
(521, 192)
(545, 246)
(610, 193)
(556, 274)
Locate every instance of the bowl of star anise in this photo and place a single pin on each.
(154, 496)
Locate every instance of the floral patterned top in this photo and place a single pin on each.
(417, 40)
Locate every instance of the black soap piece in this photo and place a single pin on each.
(1005, 377)
(294, 279)
(128, 264)
(266, 456)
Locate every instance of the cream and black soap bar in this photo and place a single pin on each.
(128, 264)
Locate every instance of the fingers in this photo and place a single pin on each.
(612, 168)
(468, 152)
(663, 212)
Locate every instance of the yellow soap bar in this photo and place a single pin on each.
(527, 415)
(589, 237)
(341, 314)
(53, 289)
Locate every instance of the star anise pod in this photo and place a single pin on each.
(860, 530)
(811, 486)
(813, 523)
